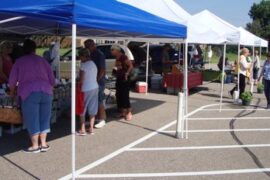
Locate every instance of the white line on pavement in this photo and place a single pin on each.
(229, 118)
(125, 148)
(220, 130)
(199, 147)
(175, 174)
(235, 110)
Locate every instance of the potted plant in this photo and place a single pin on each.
(260, 88)
(246, 98)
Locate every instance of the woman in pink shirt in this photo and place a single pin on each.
(34, 80)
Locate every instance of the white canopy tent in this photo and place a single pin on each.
(215, 30)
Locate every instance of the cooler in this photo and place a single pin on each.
(141, 87)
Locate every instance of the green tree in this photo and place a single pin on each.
(260, 15)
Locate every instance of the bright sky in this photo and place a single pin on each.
(233, 11)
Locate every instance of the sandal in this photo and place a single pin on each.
(81, 133)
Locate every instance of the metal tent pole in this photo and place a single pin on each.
(147, 67)
(251, 75)
(222, 77)
(73, 99)
(186, 88)
(238, 71)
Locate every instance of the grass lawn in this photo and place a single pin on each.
(232, 57)
(40, 51)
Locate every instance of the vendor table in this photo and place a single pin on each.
(175, 81)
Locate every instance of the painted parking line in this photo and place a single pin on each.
(175, 174)
(235, 110)
(200, 147)
(229, 118)
(220, 130)
(125, 148)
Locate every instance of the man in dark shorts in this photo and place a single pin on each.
(99, 59)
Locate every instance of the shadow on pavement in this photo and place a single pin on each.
(13, 143)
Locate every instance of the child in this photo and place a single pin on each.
(89, 86)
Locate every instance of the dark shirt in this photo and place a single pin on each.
(122, 68)
(99, 59)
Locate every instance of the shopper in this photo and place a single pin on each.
(256, 67)
(88, 80)
(166, 62)
(35, 81)
(99, 59)
(123, 68)
(266, 79)
(244, 66)
(6, 61)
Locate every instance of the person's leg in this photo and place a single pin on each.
(126, 100)
(242, 83)
(118, 95)
(45, 111)
(30, 112)
(120, 99)
(101, 115)
(92, 107)
(267, 91)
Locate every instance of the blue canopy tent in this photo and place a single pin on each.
(95, 18)
(106, 18)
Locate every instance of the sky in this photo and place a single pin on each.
(233, 11)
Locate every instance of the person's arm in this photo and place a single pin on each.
(130, 67)
(81, 79)
(262, 72)
(2, 74)
(102, 70)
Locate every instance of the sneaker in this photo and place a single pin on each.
(100, 124)
(30, 150)
(45, 149)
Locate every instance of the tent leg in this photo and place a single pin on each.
(73, 96)
(238, 73)
(147, 67)
(222, 77)
(186, 88)
(251, 75)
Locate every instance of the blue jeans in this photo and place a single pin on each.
(36, 110)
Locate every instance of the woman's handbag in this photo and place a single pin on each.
(10, 113)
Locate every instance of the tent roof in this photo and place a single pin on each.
(167, 9)
(210, 29)
(247, 38)
(106, 18)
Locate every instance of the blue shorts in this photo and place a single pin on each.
(101, 95)
(36, 110)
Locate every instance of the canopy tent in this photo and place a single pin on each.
(261, 42)
(108, 18)
(247, 38)
(215, 31)
(167, 9)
